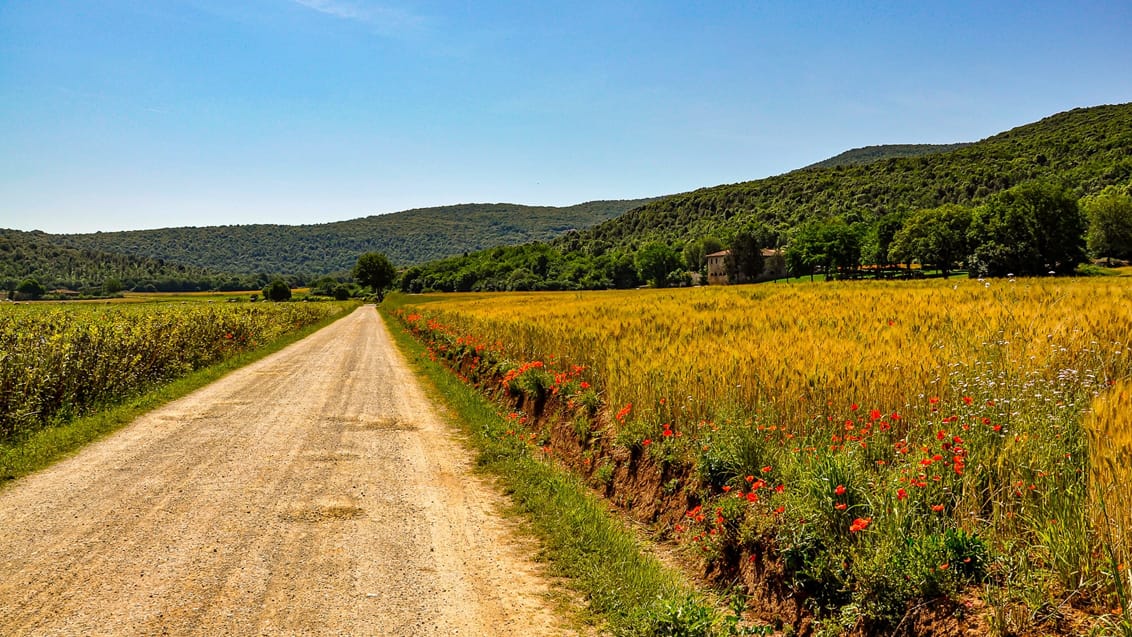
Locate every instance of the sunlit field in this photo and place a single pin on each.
(58, 360)
(890, 441)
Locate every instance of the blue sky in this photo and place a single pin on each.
(124, 114)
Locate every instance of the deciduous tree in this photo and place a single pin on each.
(1110, 224)
(1033, 228)
(374, 270)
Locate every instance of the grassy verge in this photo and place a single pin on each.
(40, 448)
(627, 590)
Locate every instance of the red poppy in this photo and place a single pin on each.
(859, 524)
(840, 490)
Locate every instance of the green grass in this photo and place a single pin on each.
(628, 591)
(40, 448)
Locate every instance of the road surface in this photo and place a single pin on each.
(314, 492)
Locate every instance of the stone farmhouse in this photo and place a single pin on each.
(774, 267)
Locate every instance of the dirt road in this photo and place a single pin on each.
(312, 493)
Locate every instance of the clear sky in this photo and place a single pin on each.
(124, 114)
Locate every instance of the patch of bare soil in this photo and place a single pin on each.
(312, 493)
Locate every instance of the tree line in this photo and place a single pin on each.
(1036, 228)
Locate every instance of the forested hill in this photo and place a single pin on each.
(412, 236)
(36, 255)
(1085, 149)
(838, 217)
(869, 154)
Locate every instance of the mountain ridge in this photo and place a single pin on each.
(410, 236)
(878, 152)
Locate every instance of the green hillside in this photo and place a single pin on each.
(869, 154)
(38, 256)
(412, 236)
(1086, 148)
(1080, 151)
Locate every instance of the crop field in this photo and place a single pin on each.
(57, 361)
(878, 444)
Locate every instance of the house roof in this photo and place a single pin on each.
(767, 252)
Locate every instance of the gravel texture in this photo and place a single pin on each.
(314, 492)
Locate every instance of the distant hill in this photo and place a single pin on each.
(1084, 149)
(870, 154)
(409, 237)
(37, 255)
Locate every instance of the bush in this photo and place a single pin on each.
(277, 290)
(30, 289)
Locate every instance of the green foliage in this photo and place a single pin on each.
(936, 236)
(876, 245)
(1031, 229)
(872, 154)
(1087, 149)
(37, 255)
(1110, 224)
(374, 270)
(277, 290)
(830, 245)
(534, 266)
(687, 617)
(745, 263)
(408, 237)
(112, 286)
(30, 288)
(655, 262)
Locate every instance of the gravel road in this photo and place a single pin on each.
(315, 492)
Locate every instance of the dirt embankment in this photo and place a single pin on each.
(314, 492)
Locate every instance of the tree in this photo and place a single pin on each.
(935, 236)
(112, 286)
(696, 251)
(1110, 224)
(745, 263)
(374, 270)
(831, 244)
(31, 289)
(806, 250)
(654, 263)
(1033, 228)
(877, 242)
(277, 290)
(324, 286)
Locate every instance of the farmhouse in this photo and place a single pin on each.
(774, 267)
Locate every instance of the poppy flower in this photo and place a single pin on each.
(859, 524)
(840, 490)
